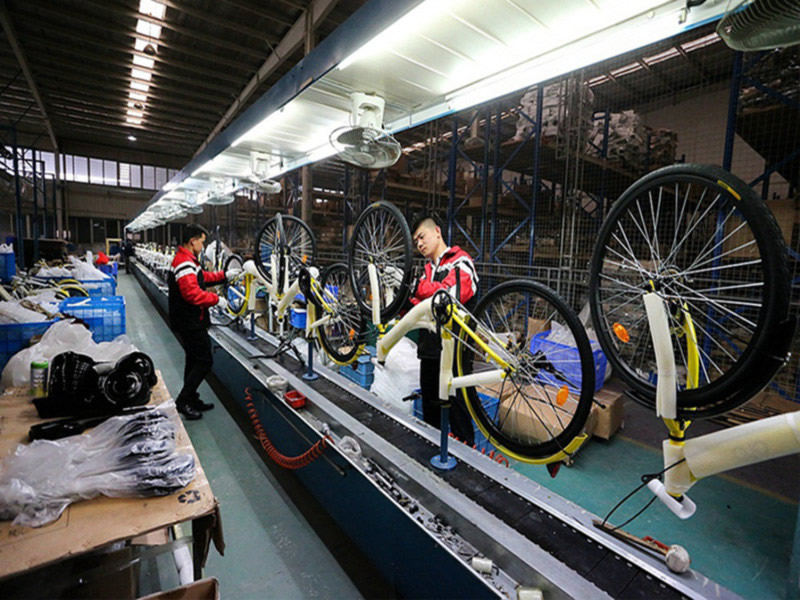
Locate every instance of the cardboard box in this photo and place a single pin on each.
(204, 589)
(609, 406)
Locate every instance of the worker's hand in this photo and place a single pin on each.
(222, 304)
(233, 273)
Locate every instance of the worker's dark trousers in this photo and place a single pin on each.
(199, 360)
(460, 419)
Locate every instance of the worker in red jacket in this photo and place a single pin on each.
(189, 303)
(441, 269)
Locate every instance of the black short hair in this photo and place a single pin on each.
(192, 230)
(424, 217)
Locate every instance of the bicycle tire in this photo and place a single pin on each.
(748, 285)
(299, 240)
(540, 407)
(237, 305)
(342, 338)
(379, 221)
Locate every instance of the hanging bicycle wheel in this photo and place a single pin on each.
(381, 237)
(236, 292)
(290, 233)
(542, 404)
(343, 336)
(705, 242)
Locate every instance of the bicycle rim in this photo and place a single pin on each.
(543, 402)
(300, 245)
(342, 337)
(709, 247)
(381, 237)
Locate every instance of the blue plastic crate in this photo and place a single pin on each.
(297, 317)
(8, 267)
(365, 380)
(490, 404)
(94, 287)
(571, 362)
(111, 269)
(16, 336)
(104, 316)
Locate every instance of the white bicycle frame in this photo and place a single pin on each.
(712, 453)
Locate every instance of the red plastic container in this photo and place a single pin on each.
(295, 399)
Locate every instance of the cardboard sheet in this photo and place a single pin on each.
(90, 524)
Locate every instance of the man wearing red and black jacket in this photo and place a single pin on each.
(189, 303)
(444, 264)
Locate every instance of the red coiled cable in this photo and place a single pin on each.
(287, 462)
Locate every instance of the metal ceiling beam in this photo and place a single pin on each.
(107, 26)
(113, 127)
(220, 22)
(127, 64)
(121, 51)
(127, 79)
(118, 8)
(5, 20)
(319, 9)
(261, 13)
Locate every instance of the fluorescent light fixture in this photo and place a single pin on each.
(412, 21)
(605, 44)
(135, 113)
(201, 168)
(142, 87)
(147, 29)
(151, 8)
(170, 185)
(143, 61)
(139, 44)
(263, 127)
(139, 74)
(137, 97)
(132, 138)
(133, 121)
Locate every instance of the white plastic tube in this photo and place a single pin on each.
(743, 445)
(666, 393)
(376, 294)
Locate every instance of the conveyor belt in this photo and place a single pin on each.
(596, 563)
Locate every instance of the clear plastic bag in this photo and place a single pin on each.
(399, 376)
(126, 456)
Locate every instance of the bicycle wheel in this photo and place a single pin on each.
(343, 336)
(705, 242)
(297, 239)
(236, 292)
(381, 237)
(543, 402)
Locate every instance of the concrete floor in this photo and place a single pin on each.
(280, 544)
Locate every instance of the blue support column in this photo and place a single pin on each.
(497, 178)
(483, 254)
(536, 182)
(35, 211)
(18, 195)
(733, 103)
(451, 205)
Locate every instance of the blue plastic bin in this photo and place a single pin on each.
(490, 404)
(111, 269)
(365, 380)
(571, 365)
(94, 287)
(297, 317)
(104, 316)
(8, 267)
(16, 336)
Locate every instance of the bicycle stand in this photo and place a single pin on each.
(442, 461)
(252, 335)
(310, 375)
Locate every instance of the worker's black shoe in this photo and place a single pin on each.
(189, 412)
(198, 404)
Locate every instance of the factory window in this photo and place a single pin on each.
(49, 159)
(148, 177)
(67, 168)
(110, 172)
(81, 169)
(124, 175)
(95, 170)
(136, 176)
(161, 177)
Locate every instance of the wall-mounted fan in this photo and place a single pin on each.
(364, 142)
(258, 179)
(761, 25)
(221, 192)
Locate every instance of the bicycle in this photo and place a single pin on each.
(689, 292)
(538, 394)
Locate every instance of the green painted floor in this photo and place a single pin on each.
(739, 537)
(273, 551)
